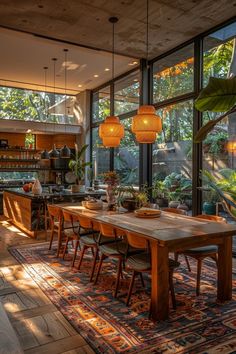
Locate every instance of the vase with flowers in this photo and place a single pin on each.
(111, 179)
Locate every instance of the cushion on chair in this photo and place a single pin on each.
(114, 248)
(142, 262)
(70, 233)
(202, 250)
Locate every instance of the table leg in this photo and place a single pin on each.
(160, 282)
(224, 286)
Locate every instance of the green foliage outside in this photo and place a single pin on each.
(29, 105)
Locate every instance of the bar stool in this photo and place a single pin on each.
(200, 253)
(141, 262)
(55, 214)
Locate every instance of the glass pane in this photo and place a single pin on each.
(173, 75)
(219, 147)
(101, 104)
(127, 94)
(218, 58)
(36, 106)
(100, 155)
(126, 160)
(172, 157)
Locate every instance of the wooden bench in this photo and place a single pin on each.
(9, 343)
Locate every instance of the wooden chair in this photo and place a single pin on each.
(200, 253)
(141, 262)
(180, 212)
(55, 214)
(71, 231)
(116, 249)
(88, 237)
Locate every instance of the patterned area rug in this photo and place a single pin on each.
(199, 325)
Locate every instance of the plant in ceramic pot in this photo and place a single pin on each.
(111, 179)
(78, 166)
(159, 193)
(131, 198)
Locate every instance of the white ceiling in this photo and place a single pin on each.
(23, 57)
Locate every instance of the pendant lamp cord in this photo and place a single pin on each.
(65, 64)
(54, 84)
(45, 88)
(113, 20)
(147, 31)
(113, 49)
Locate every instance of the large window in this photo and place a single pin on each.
(172, 154)
(36, 106)
(173, 94)
(126, 159)
(219, 146)
(126, 93)
(100, 155)
(173, 75)
(101, 104)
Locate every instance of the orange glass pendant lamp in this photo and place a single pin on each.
(111, 131)
(146, 124)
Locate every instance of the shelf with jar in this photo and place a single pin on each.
(18, 158)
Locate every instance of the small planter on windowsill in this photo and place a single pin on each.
(162, 202)
(130, 203)
(209, 208)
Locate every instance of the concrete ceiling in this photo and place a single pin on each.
(85, 23)
(24, 56)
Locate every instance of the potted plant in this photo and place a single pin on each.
(131, 198)
(210, 199)
(78, 166)
(111, 178)
(159, 193)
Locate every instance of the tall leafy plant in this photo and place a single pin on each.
(77, 164)
(218, 96)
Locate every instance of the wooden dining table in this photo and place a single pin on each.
(170, 233)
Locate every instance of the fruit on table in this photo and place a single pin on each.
(27, 187)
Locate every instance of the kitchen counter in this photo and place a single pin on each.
(27, 210)
(63, 193)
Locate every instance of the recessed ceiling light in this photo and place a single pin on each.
(107, 69)
(135, 80)
(96, 75)
(80, 85)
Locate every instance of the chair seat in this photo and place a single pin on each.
(66, 224)
(114, 248)
(92, 238)
(142, 262)
(70, 233)
(202, 250)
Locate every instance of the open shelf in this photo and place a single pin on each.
(19, 160)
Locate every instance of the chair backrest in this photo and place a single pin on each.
(107, 230)
(85, 222)
(175, 210)
(54, 211)
(137, 241)
(211, 217)
(69, 217)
